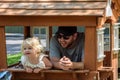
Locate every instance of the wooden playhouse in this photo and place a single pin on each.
(94, 15)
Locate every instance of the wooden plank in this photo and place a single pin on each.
(48, 20)
(115, 66)
(116, 5)
(65, 75)
(114, 57)
(92, 75)
(106, 76)
(107, 59)
(20, 12)
(45, 74)
(3, 54)
(90, 56)
(52, 0)
(101, 21)
(19, 69)
(57, 5)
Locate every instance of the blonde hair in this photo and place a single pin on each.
(34, 43)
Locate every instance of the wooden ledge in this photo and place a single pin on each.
(105, 69)
(19, 68)
(106, 72)
(49, 71)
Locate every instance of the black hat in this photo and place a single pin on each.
(67, 30)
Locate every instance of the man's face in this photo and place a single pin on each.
(66, 41)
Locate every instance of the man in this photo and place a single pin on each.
(67, 48)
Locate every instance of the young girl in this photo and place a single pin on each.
(33, 58)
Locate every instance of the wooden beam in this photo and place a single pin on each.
(107, 59)
(50, 32)
(3, 54)
(116, 5)
(27, 32)
(52, 12)
(90, 56)
(54, 6)
(56, 75)
(48, 21)
(52, 0)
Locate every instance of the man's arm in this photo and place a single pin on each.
(55, 62)
(77, 65)
(66, 64)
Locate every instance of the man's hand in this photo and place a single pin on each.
(65, 63)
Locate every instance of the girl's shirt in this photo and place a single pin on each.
(25, 62)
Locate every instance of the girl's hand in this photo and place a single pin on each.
(28, 69)
(37, 70)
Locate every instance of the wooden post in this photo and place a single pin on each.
(27, 32)
(114, 57)
(50, 32)
(3, 54)
(90, 56)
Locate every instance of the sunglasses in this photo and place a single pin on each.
(63, 36)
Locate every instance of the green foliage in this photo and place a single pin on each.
(13, 58)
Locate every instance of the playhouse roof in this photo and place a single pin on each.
(116, 6)
(52, 7)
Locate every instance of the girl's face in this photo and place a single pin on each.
(29, 50)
